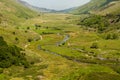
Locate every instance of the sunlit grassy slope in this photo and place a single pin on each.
(12, 12)
(113, 7)
(106, 6)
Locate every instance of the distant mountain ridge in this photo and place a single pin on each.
(67, 10)
(92, 7)
(38, 9)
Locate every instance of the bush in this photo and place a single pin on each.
(94, 45)
(2, 42)
(28, 28)
(13, 33)
(115, 36)
(30, 40)
(26, 64)
(5, 63)
(37, 26)
(26, 31)
(94, 21)
(1, 70)
(112, 36)
(108, 36)
(11, 55)
(16, 39)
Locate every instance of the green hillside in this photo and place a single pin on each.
(111, 8)
(93, 5)
(102, 15)
(12, 15)
(12, 12)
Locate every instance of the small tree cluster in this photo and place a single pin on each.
(11, 55)
(94, 21)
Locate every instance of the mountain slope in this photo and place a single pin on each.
(12, 12)
(92, 6)
(67, 10)
(12, 15)
(111, 8)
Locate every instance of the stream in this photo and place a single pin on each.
(66, 38)
(81, 60)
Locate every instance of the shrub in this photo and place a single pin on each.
(94, 21)
(11, 55)
(1, 70)
(2, 42)
(108, 36)
(26, 31)
(115, 36)
(26, 64)
(16, 39)
(5, 64)
(37, 26)
(30, 40)
(112, 36)
(13, 33)
(28, 28)
(94, 45)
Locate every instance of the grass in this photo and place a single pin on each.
(74, 60)
(55, 67)
(101, 7)
(84, 72)
(77, 40)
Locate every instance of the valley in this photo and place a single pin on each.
(60, 46)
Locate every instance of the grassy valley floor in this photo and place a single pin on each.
(62, 50)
